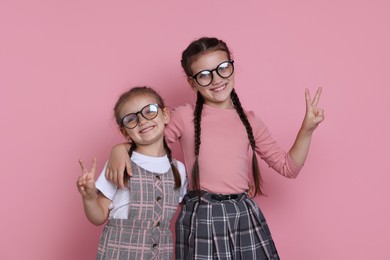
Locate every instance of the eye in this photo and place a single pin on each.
(150, 111)
(152, 108)
(223, 66)
(204, 74)
(129, 119)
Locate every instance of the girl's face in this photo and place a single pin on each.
(217, 94)
(147, 132)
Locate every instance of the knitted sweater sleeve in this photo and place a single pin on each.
(270, 151)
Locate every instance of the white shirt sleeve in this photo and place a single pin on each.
(105, 186)
(120, 198)
(184, 182)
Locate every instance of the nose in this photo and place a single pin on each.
(141, 119)
(216, 78)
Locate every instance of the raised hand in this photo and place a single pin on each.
(314, 115)
(86, 182)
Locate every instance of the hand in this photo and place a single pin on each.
(86, 182)
(118, 163)
(251, 190)
(314, 115)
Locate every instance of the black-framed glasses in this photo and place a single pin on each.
(205, 77)
(148, 112)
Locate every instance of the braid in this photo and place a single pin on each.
(197, 128)
(255, 165)
(131, 150)
(175, 171)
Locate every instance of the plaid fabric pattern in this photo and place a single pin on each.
(145, 234)
(230, 229)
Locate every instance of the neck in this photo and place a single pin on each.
(152, 150)
(228, 104)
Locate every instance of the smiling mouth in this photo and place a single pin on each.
(147, 129)
(217, 89)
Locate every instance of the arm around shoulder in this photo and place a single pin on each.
(118, 163)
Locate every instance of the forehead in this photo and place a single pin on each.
(136, 103)
(209, 61)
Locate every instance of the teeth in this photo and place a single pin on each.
(146, 129)
(220, 88)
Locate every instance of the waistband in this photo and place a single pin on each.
(207, 196)
(137, 223)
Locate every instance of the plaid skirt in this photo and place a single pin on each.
(127, 239)
(236, 229)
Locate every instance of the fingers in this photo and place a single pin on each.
(121, 173)
(320, 116)
(317, 97)
(116, 174)
(81, 184)
(87, 177)
(86, 185)
(251, 190)
(120, 181)
(128, 167)
(83, 166)
(93, 169)
(108, 173)
(307, 98)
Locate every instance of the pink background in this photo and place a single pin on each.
(64, 63)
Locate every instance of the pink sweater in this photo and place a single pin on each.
(225, 153)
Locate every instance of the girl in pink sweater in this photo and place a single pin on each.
(218, 138)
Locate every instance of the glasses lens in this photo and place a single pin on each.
(204, 78)
(130, 121)
(225, 69)
(150, 111)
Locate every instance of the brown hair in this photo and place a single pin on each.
(126, 96)
(189, 55)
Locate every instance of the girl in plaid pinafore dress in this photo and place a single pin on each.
(139, 216)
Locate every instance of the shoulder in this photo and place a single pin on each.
(253, 119)
(181, 115)
(183, 110)
(259, 128)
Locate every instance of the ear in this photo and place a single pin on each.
(192, 84)
(124, 133)
(166, 115)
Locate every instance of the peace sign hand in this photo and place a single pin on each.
(314, 115)
(86, 182)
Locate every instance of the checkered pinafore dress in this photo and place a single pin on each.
(146, 233)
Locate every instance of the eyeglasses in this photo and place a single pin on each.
(205, 77)
(148, 112)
